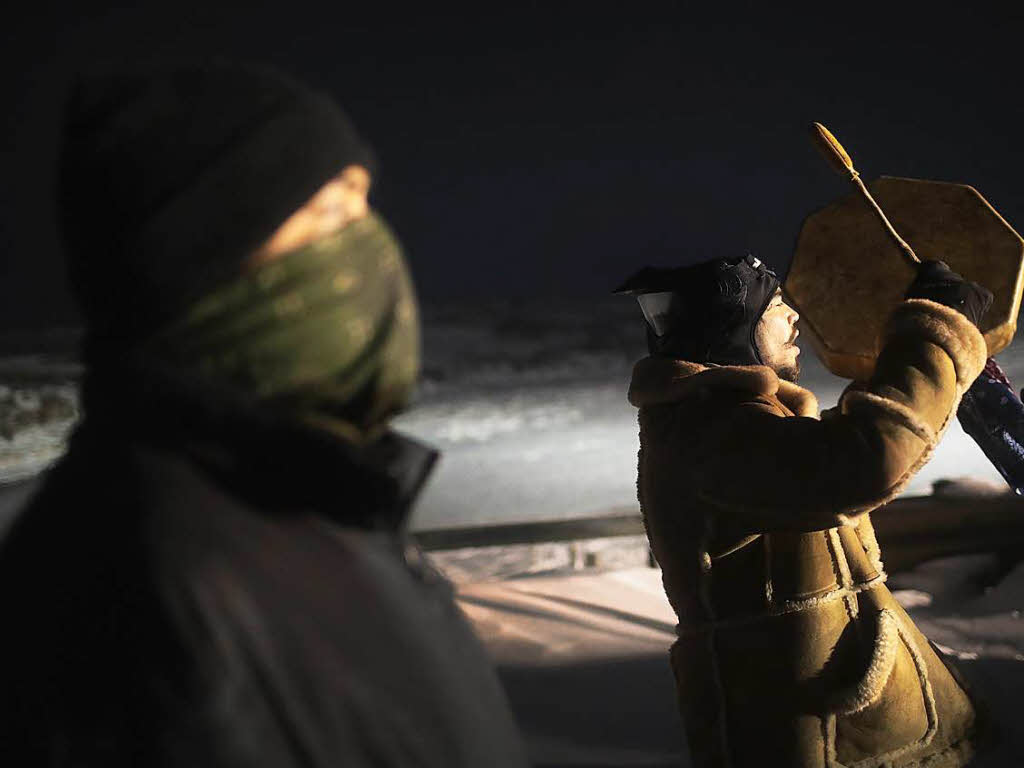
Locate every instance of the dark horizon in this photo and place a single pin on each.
(542, 152)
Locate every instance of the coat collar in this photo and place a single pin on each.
(271, 462)
(658, 380)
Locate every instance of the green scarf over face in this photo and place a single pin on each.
(328, 332)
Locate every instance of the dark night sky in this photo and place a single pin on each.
(552, 148)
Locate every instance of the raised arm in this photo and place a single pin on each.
(805, 474)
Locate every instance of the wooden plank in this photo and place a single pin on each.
(910, 530)
(622, 524)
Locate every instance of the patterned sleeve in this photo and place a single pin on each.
(993, 415)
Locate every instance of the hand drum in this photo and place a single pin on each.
(848, 274)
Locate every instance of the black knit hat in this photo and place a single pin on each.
(704, 313)
(170, 179)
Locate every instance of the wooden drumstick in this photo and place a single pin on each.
(839, 159)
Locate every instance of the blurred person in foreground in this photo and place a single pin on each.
(217, 572)
(792, 651)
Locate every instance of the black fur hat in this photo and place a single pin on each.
(704, 313)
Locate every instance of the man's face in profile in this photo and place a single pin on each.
(775, 336)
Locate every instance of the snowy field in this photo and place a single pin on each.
(527, 403)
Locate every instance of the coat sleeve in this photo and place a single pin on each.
(799, 473)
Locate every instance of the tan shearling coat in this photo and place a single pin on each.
(791, 651)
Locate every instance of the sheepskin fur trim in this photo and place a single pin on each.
(956, 755)
(841, 568)
(945, 327)
(659, 380)
(800, 401)
(839, 593)
(930, 707)
(866, 534)
(840, 565)
(858, 697)
(779, 608)
(890, 634)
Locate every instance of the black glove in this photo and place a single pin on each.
(937, 282)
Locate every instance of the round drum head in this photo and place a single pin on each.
(847, 274)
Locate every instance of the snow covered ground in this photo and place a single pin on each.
(601, 640)
(528, 405)
(971, 608)
(527, 402)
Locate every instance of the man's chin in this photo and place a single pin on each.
(789, 371)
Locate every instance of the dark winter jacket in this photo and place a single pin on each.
(792, 651)
(175, 598)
